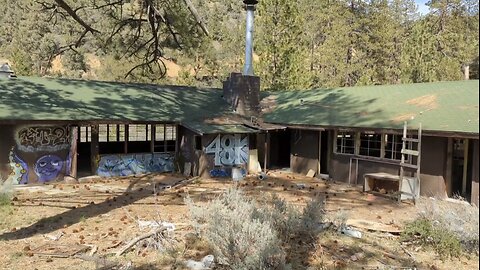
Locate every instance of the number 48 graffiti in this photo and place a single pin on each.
(229, 150)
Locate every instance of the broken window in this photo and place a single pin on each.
(112, 133)
(103, 133)
(138, 133)
(85, 134)
(165, 138)
(393, 146)
(346, 143)
(370, 144)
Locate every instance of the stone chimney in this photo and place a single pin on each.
(242, 91)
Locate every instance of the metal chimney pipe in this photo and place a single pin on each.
(250, 7)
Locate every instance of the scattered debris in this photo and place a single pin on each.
(89, 179)
(372, 226)
(170, 227)
(301, 186)
(59, 251)
(311, 173)
(138, 239)
(262, 176)
(70, 180)
(54, 237)
(206, 263)
(350, 232)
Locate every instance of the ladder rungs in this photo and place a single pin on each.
(411, 140)
(410, 152)
(411, 166)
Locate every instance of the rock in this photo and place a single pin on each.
(204, 264)
(350, 232)
(70, 180)
(89, 179)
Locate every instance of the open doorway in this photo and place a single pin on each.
(84, 139)
(280, 149)
(462, 168)
(324, 152)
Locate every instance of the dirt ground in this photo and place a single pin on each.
(103, 214)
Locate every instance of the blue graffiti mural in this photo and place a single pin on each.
(221, 172)
(125, 165)
(48, 167)
(19, 169)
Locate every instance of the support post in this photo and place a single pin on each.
(465, 167)
(94, 150)
(125, 143)
(449, 165)
(267, 142)
(74, 152)
(383, 144)
(152, 138)
(402, 170)
(319, 152)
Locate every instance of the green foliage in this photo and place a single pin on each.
(5, 199)
(298, 44)
(424, 232)
(281, 46)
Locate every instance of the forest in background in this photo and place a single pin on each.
(299, 45)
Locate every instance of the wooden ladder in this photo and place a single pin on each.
(406, 142)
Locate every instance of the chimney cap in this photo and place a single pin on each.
(250, 2)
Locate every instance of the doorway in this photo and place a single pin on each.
(462, 168)
(324, 152)
(280, 149)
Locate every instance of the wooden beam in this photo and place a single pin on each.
(267, 142)
(448, 167)
(319, 152)
(383, 144)
(465, 166)
(165, 138)
(125, 143)
(152, 139)
(74, 152)
(357, 143)
(94, 150)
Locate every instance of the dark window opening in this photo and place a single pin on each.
(198, 143)
(346, 143)
(370, 145)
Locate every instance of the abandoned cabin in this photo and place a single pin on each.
(52, 128)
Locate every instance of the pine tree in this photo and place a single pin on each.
(281, 46)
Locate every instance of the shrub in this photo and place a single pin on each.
(424, 232)
(245, 234)
(448, 227)
(461, 219)
(240, 235)
(5, 193)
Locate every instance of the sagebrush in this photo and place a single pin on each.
(246, 234)
(448, 227)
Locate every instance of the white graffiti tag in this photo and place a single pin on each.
(229, 150)
(43, 138)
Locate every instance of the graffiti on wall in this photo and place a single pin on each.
(131, 164)
(229, 150)
(43, 138)
(40, 154)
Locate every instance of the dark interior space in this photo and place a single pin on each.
(83, 159)
(458, 167)
(111, 148)
(324, 154)
(280, 149)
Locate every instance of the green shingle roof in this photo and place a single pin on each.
(29, 98)
(440, 106)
